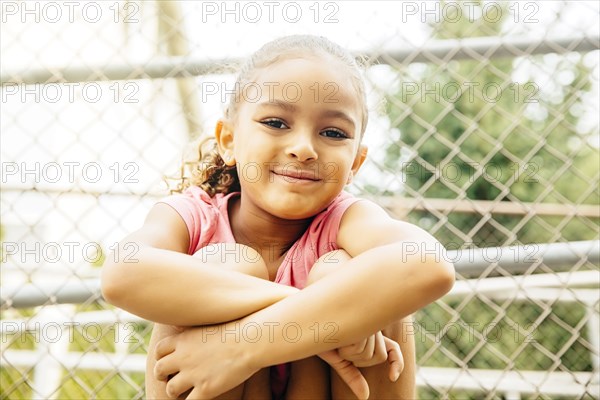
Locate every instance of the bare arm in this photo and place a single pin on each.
(160, 281)
(396, 269)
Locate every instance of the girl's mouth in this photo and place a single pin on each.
(297, 175)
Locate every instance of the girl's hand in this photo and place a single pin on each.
(198, 359)
(201, 360)
(348, 372)
(375, 350)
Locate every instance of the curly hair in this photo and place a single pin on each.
(208, 171)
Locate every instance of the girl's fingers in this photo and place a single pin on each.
(374, 352)
(352, 352)
(348, 372)
(380, 354)
(360, 347)
(177, 385)
(395, 358)
(165, 346)
(194, 395)
(369, 350)
(165, 368)
(365, 358)
(363, 353)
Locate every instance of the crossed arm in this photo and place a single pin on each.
(395, 281)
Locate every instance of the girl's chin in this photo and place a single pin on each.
(294, 210)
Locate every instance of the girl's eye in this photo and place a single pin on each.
(274, 123)
(334, 133)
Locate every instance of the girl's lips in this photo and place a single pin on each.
(292, 176)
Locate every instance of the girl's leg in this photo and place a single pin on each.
(255, 388)
(309, 379)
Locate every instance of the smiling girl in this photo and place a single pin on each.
(264, 277)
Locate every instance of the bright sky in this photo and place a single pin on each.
(62, 32)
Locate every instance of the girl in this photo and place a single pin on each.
(287, 265)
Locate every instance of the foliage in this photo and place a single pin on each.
(472, 131)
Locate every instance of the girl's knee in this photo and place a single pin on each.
(326, 264)
(234, 257)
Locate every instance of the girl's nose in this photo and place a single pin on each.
(301, 147)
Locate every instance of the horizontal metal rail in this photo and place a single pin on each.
(578, 384)
(398, 206)
(519, 259)
(468, 263)
(31, 295)
(176, 67)
(402, 205)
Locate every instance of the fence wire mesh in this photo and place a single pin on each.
(483, 130)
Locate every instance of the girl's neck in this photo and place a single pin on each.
(272, 237)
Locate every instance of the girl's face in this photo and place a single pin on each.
(296, 137)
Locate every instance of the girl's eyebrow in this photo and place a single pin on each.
(290, 107)
(341, 115)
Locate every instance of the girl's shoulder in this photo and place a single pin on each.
(190, 193)
(203, 215)
(366, 225)
(327, 222)
(192, 200)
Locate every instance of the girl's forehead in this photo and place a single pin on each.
(314, 79)
(323, 67)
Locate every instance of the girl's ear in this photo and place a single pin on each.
(361, 156)
(224, 137)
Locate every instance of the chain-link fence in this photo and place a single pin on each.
(484, 131)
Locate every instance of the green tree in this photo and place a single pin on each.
(473, 132)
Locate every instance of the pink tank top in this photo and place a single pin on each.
(207, 220)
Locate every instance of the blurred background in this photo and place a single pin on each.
(483, 131)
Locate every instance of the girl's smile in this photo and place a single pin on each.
(295, 152)
(296, 176)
